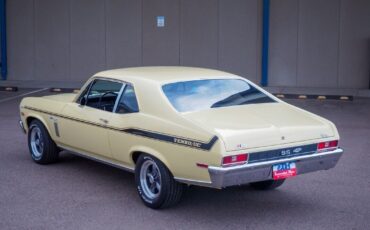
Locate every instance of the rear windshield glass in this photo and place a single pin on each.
(204, 94)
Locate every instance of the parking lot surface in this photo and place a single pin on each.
(81, 194)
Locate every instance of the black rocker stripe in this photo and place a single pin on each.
(143, 133)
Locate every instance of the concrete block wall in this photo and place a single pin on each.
(313, 43)
(317, 43)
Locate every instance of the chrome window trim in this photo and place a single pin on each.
(88, 87)
(119, 96)
(91, 80)
(104, 79)
(124, 84)
(88, 92)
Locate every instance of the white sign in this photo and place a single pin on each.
(160, 21)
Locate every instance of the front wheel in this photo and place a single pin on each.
(155, 183)
(267, 185)
(42, 148)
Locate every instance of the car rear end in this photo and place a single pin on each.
(263, 138)
(242, 167)
(271, 141)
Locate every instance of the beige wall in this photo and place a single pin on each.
(317, 43)
(313, 43)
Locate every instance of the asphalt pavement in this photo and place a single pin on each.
(76, 193)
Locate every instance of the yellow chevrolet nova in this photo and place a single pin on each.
(178, 126)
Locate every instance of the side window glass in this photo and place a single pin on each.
(103, 94)
(128, 102)
(82, 99)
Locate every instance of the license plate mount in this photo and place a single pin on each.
(284, 170)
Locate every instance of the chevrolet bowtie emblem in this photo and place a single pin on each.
(297, 150)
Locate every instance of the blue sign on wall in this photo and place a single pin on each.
(160, 21)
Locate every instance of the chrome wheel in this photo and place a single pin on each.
(37, 142)
(150, 179)
(155, 183)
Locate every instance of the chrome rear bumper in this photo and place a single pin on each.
(243, 174)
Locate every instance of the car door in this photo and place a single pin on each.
(85, 124)
(125, 116)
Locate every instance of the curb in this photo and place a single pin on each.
(64, 90)
(317, 97)
(8, 88)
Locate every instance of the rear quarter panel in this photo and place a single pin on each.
(180, 159)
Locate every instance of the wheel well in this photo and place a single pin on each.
(29, 120)
(135, 155)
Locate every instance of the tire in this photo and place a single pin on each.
(42, 148)
(155, 183)
(267, 185)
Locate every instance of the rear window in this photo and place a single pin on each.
(197, 95)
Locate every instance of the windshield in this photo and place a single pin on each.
(204, 94)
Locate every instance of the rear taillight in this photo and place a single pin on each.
(327, 146)
(234, 160)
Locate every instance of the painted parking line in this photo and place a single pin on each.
(22, 95)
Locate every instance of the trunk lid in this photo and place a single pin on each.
(260, 125)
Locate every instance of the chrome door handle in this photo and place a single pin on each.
(105, 121)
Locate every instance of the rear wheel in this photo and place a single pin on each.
(42, 148)
(155, 183)
(267, 185)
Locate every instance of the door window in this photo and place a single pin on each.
(102, 95)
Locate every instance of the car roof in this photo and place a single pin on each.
(164, 74)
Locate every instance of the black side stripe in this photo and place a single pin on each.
(144, 133)
(172, 139)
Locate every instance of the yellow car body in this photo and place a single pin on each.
(191, 145)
